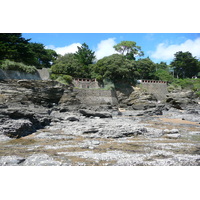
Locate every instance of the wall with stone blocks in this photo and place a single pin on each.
(96, 97)
(40, 74)
(159, 89)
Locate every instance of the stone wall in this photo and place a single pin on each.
(158, 88)
(40, 74)
(85, 83)
(96, 97)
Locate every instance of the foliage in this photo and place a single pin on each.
(16, 48)
(185, 65)
(164, 75)
(146, 68)
(64, 79)
(129, 49)
(115, 68)
(193, 84)
(67, 64)
(42, 57)
(84, 55)
(11, 65)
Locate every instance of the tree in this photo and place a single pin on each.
(14, 47)
(42, 57)
(185, 65)
(115, 68)
(66, 65)
(163, 75)
(84, 55)
(146, 68)
(129, 49)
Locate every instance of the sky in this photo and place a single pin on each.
(157, 46)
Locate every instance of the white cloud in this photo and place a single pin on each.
(105, 48)
(72, 48)
(166, 52)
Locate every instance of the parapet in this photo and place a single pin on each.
(152, 81)
(85, 83)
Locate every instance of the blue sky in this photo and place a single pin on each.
(158, 46)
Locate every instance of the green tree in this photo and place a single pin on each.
(146, 68)
(42, 57)
(66, 65)
(114, 68)
(14, 47)
(185, 65)
(84, 55)
(164, 75)
(129, 49)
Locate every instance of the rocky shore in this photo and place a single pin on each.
(42, 123)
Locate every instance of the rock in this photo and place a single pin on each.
(89, 113)
(17, 128)
(41, 160)
(91, 130)
(172, 131)
(11, 160)
(18, 122)
(173, 136)
(72, 119)
(180, 100)
(95, 142)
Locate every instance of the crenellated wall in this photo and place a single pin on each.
(85, 83)
(158, 88)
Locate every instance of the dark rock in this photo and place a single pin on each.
(91, 130)
(89, 113)
(17, 128)
(18, 122)
(72, 119)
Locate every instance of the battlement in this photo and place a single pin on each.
(156, 87)
(152, 81)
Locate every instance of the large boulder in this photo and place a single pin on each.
(181, 100)
(18, 122)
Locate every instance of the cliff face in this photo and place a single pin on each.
(25, 105)
(26, 92)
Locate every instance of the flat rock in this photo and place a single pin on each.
(11, 160)
(89, 113)
(173, 136)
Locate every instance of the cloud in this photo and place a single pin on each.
(72, 48)
(105, 48)
(166, 52)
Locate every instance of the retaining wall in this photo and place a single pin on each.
(96, 97)
(40, 74)
(158, 88)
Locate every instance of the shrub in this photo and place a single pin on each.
(11, 65)
(64, 79)
(67, 78)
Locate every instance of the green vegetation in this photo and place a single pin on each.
(11, 65)
(185, 65)
(18, 53)
(129, 49)
(16, 48)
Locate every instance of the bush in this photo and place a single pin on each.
(64, 79)
(11, 65)
(67, 78)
